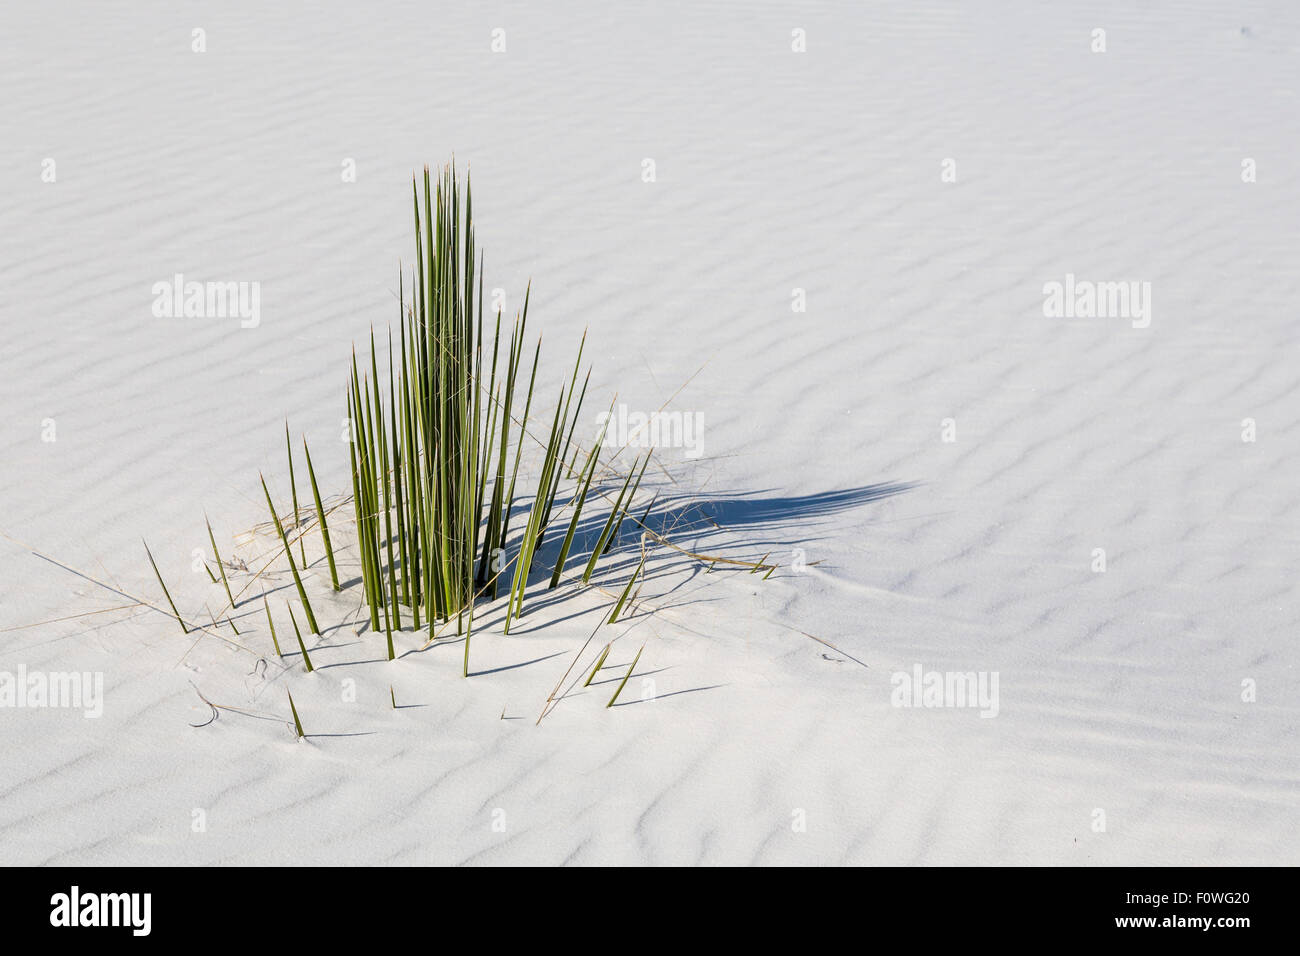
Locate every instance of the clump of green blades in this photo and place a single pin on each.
(433, 481)
(436, 454)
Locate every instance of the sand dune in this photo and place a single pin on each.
(769, 735)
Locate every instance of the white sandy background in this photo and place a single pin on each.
(1119, 691)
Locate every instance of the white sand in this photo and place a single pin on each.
(1119, 691)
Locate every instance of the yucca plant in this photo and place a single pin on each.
(433, 481)
(437, 452)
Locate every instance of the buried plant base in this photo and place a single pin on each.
(436, 451)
